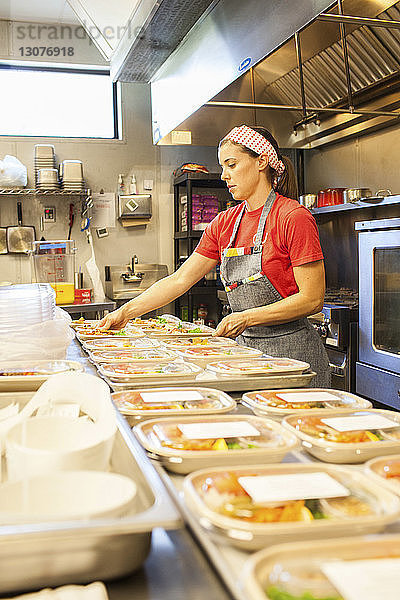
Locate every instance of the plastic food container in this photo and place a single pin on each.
(121, 343)
(88, 333)
(138, 370)
(24, 375)
(204, 356)
(182, 329)
(84, 323)
(297, 570)
(136, 405)
(218, 499)
(258, 366)
(184, 444)
(277, 404)
(347, 437)
(386, 469)
(127, 356)
(177, 343)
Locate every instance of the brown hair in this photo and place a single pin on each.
(286, 184)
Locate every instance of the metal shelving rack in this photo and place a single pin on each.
(186, 183)
(35, 192)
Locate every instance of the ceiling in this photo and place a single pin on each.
(37, 11)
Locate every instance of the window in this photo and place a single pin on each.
(57, 102)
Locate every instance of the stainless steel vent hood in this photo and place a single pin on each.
(227, 42)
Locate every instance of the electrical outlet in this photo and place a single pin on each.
(49, 214)
(148, 184)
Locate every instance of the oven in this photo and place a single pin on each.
(378, 367)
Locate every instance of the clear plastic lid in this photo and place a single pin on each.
(212, 434)
(135, 370)
(198, 342)
(219, 352)
(228, 494)
(304, 570)
(356, 427)
(121, 343)
(172, 400)
(127, 356)
(288, 401)
(258, 366)
(38, 368)
(87, 332)
(387, 469)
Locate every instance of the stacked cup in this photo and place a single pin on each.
(44, 159)
(25, 305)
(71, 174)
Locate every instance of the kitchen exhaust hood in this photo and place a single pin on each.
(264, 95)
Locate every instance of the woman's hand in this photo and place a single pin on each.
(114, 320)
(232, 325)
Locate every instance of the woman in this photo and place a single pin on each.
(271, 259)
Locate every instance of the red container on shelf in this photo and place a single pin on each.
(330, 197)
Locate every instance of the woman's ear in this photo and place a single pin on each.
(262, 162)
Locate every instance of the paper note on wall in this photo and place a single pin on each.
(103, 210)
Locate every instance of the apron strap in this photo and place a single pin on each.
(236, 226)
(263, 218)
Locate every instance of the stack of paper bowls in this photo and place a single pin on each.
(44, 159)
(24, 305)
(71, 175)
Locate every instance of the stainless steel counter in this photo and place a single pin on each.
(176, 568)
(98, 306)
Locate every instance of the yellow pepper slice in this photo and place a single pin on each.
(220, 444)
(372, 436)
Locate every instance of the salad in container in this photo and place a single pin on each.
(90, 333)
(184, 444)
(184, 343)
(136, 405)
(258, 366)
(326, 570)
(386, 469)
(281, 403)
(26, 375)
(121, 343)
(254, 507)
(347, 437)
(152, 355)
(136, 370)
(202, 356)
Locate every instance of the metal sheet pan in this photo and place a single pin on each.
(225, 384)
(56, 553)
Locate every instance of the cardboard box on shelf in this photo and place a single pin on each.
(83, 296)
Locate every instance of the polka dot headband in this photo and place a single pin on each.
(245, 136)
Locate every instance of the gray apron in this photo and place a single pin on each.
(248, 287)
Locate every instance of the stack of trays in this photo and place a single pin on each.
(71, 175)
(47, 180)
(158, 402)
(44, 159)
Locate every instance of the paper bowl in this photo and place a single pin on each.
(67, 496)
(43, 445)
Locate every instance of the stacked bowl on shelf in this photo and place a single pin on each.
(71, 175)
(45, 167)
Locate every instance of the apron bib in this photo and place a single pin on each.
(248, 287)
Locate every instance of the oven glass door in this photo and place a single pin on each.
(380, 299)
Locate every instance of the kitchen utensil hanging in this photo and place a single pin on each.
(3, 240)
(20, 237)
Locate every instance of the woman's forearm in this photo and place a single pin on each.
(162, 292)
(288, 309)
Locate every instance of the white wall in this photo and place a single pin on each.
(370, 161)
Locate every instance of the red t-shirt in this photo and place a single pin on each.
(291, 239)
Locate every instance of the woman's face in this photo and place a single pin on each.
(240, 171)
